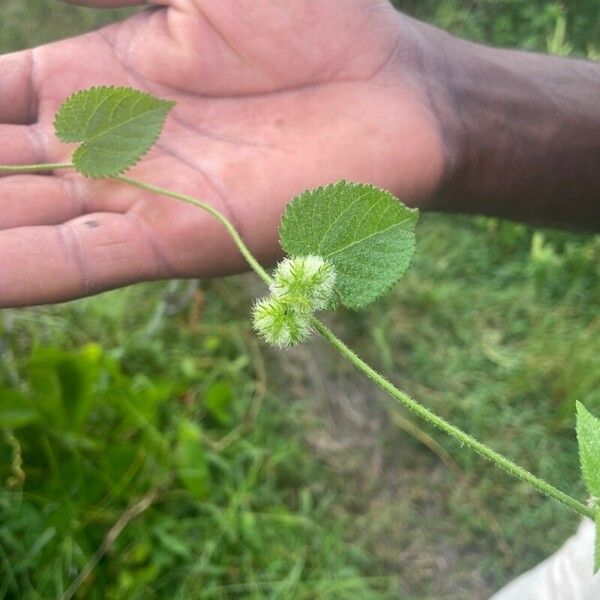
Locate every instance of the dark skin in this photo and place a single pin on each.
(275, 96)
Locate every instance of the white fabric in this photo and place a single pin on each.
(566, 575)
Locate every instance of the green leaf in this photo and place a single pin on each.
(218, 400)
(63, 383)
(190, 459)
(15, 410)
(365, 232)
(116, 126)
(172, 543)
(588, 436)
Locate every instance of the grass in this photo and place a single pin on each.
(263, 475)
(27, 23)
(496, 327)
(176, 413)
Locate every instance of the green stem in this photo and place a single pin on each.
(460, 436)
(215, 213)
(454, 432)
(34, 168)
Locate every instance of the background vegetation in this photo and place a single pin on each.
(148, 441)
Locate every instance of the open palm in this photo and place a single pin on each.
(273, 96)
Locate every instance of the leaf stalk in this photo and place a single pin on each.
(17, 169)
(239, 242)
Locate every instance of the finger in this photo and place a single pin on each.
(29, 200)
(36, 200)
(21, 145)
(17, 98)
(90, 254)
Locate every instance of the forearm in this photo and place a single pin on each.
(522, 133)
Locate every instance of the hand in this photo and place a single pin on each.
(273, 96)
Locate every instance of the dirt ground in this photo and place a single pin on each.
(396, 486)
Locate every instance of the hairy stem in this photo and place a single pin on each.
(454, 432)
(34, 168)
(239, 242)
(460, 436)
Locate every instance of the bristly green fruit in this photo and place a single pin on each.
(280, 323)
(306, 280)
(115, 125)
(365, 232)
(301, 285)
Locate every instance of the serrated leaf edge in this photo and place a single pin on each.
(582, 410)
(111, 88)
(370, 186)
(125, 169)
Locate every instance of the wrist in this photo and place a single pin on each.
(521, 132)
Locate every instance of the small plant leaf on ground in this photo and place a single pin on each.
(365, 232)
(588, 436)
(116, 126)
